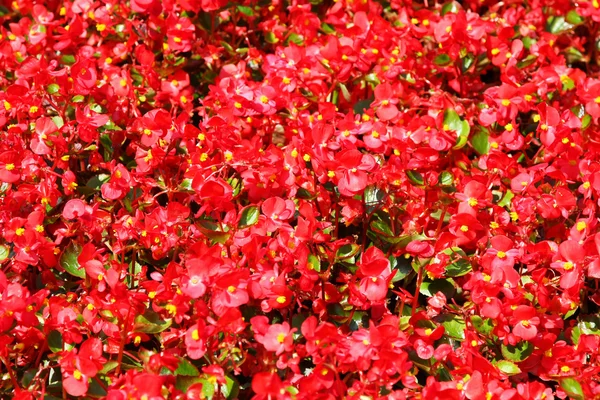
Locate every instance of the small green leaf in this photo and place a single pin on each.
(459, 268)
(345, 93)
(271, 38)
(506, 199)
(78, 99)
(231, 389)
(442, 60)
(248, 217)
(590, 325)
(68, 260)
(573, 388)
(314, 263)
(446, 178)
(58, 121)
(362, 105)
(453, 122)
(508, 367)
(347, 251)
(483, 326)
(520, 352)
(450, 7)
(480, 141)
(574, 18)
(150, 322)
(4, 252)
(327, 29)
(557, 24)
(454, 325)
(53, 88)
(445, 286)
(109, 366)
(415, 177)
(586, 121)
(246, 10)
(55, 341)
(186, 368)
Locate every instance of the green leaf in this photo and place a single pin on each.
(213, 231)
(586, 121)
(467, 62)
(520, 352)
(347, 251)
(231, 389)
(557, 24)
(442, 60)
(327, 29)
(573, 388)
(109, 366)
(4, 252)
(506, 199)
(450, 7)
(590, 325)
(446, 178)
(454, 123)
(480, 141)
(246, 10)
(271, 38)
(55, 341)
(362, 105)
(483, 326)
(151, 322)
(77, 99)
(382, 228)
(95, 390)
(345, 93)
(53, 88)
(445, 286)
(454, 325)
(183, 383)
(574, 18)
(68, 59)
(68, 260)
(415, 177)
(402, 267)
(314, 263)
(186, 368)
(575, 335)
(58, 121)
(249, 217)
(459, 268)
(508, 367)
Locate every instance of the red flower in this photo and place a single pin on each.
(385, 102)
(195, 343)
(525, 322)
(352, 169)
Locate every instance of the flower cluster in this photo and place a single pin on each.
(355, 199)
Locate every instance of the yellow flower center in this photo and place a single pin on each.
(195, 335)
(281, 299)
(281, 337)
(77, 374)
(501, 254)
(20, 231)
(568, 265)
(9, 167)
(464, 228)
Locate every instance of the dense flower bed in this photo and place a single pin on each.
(351, 199)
